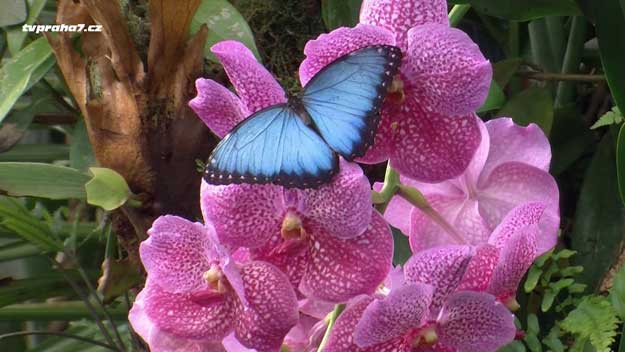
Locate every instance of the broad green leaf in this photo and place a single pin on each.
(340, 13)
(495, 99)
(22, 222)
(14, 127)
(107, 189)
(620, 162)
(525, 10)
(39, 287)
(402, 247)
(36, 153)
(81, 155)
(42, 180)
(16, 73)
(617, 292)
(504, 70)
(16, 36)
(599, 223)
(13, 12)
(570, 139)
(533, 105)
(613, 117)
(224, 22)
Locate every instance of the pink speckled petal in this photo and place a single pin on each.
(328, 47)
(449, 69)
(514, 183)
(339, 270)
(231, 344)
(442, 267)
(511, 142)
(462, 214)
(315, 308)
(342, 207)
(257, 88)
(272, 307)
(243, 215)
(472, 322)
(516, 257)
(160, 341)
(179, 315)
(400, 15)
(404, 309)
(217, 107)
(176, 254)
(397, 212)
(480, 270)
(341, 338)
(431, 147)
(521, 216)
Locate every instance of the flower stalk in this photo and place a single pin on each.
(331, 319)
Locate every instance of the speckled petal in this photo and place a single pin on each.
(341, 338)
(463, 214)
(328, 47)
(272, 308)
(431, 147)
(342, 269)
(217, 107)
(342, 207)
(442, 267)
(515, 183)
(449, 69)
(475, 322)
(243, 215)
(176, 254)
(160, 341)
(384, 140)
(511, 142)
(480, 270)
(400, 15)
(257, 88)
(391, 317)
(179, 315)
(516, 257)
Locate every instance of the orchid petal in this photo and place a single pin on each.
(217, 107)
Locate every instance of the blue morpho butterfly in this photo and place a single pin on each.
(296, 144)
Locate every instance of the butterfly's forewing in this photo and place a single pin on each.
(272, 146)
(344, 98)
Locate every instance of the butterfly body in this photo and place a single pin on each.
(297, 144)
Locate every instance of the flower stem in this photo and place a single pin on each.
(416, 198)
(390, 187)
(457, 13)
(338, 309)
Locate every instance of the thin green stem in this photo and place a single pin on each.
(416, 198)
(338, 309)
(60, 334)
(457, 13)
(389, 188)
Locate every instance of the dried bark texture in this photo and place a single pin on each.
(136, 113)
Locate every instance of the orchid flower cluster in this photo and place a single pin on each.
(268, 264)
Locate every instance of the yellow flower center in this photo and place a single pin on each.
(292, 227)
(214, 277)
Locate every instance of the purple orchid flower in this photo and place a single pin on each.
(510, 168)
(196, 293)
(428, 130)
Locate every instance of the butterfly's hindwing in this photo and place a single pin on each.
(272, 146)
(344, 99)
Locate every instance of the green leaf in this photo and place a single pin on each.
(613, 117)
(36, 153)
(620, 162)
(39, 287)
(595, 319)
(17, 250)
(402, 250)
(599, 224)
(42, 180)
(617, 292)
(495, 99)
(340, 13)
(610, 29)
(224, 22)
(81, 155)
(527, 9)
(532, 278)
(16, 36)
(570, 139)
(553, 340)
(504, 70)
(514, 346)
(23, 223)
(16, 73)
(118, 276)
(107, 189)
(533, 326)
(14, 127)
(13, 12)
(564, 254)
(548, 299)
(533, 105)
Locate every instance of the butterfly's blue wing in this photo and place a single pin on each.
(272, 146)
(344, 98)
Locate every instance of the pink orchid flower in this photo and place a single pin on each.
(510, 168)
(428, 130)
(196, 293)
